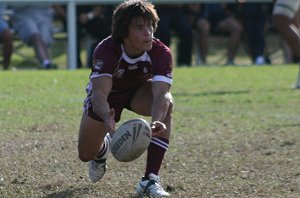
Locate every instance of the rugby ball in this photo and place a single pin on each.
(130, 140)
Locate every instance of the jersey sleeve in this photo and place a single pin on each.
(105, 60)
(162, 63)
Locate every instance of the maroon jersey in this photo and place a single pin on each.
(127, 73)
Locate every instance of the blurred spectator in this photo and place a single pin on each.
(93, 22)
(253, 17)
(195, 14)
(173, 19)
(34, 26)
(288, 54)
(60, 16)
(6, 39)
(218, 18)
(283, 14)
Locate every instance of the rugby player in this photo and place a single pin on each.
(133, 70)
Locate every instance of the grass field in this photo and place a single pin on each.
(235, 134)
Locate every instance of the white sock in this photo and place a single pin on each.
(46, 62)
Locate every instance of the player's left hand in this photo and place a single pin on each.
(159, 129)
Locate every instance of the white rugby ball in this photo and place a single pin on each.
(130, 140)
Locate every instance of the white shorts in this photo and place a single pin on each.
(287, 8)
(34, 22)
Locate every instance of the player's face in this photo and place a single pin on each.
(139, 38)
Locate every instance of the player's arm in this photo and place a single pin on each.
(101, 87)
(161, 101)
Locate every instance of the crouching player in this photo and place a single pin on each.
(131, 70)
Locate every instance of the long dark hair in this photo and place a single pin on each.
(128, 10)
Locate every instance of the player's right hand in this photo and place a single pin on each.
(158, 129)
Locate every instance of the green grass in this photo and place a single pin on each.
(235, 134)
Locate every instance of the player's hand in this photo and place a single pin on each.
(110, 123)
(159, 129)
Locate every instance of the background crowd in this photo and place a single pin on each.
(242, 24)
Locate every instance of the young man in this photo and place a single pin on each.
(284, 13)
(131, 70)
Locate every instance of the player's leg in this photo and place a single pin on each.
(45, 41)
(283, 14)
(180, 23)
(28, 31)
(234, 28)
(91, 135)
(142, 101)
(93, 146)
(203, 29)
(150, 183)
(7, 49)
(289, 32)
(297, 85)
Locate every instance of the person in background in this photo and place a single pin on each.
(34, 26)
(218, 18)
(283, 14)
(201, 26)
(132, 70)
(173, 19)
(6, 38)
(253, 17)
(287, 52)
(94, 22)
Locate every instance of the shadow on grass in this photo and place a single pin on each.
(63, 194)
(212, 93)
(287, 125)
(68, 193)
(220, 93)
(75, 192)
